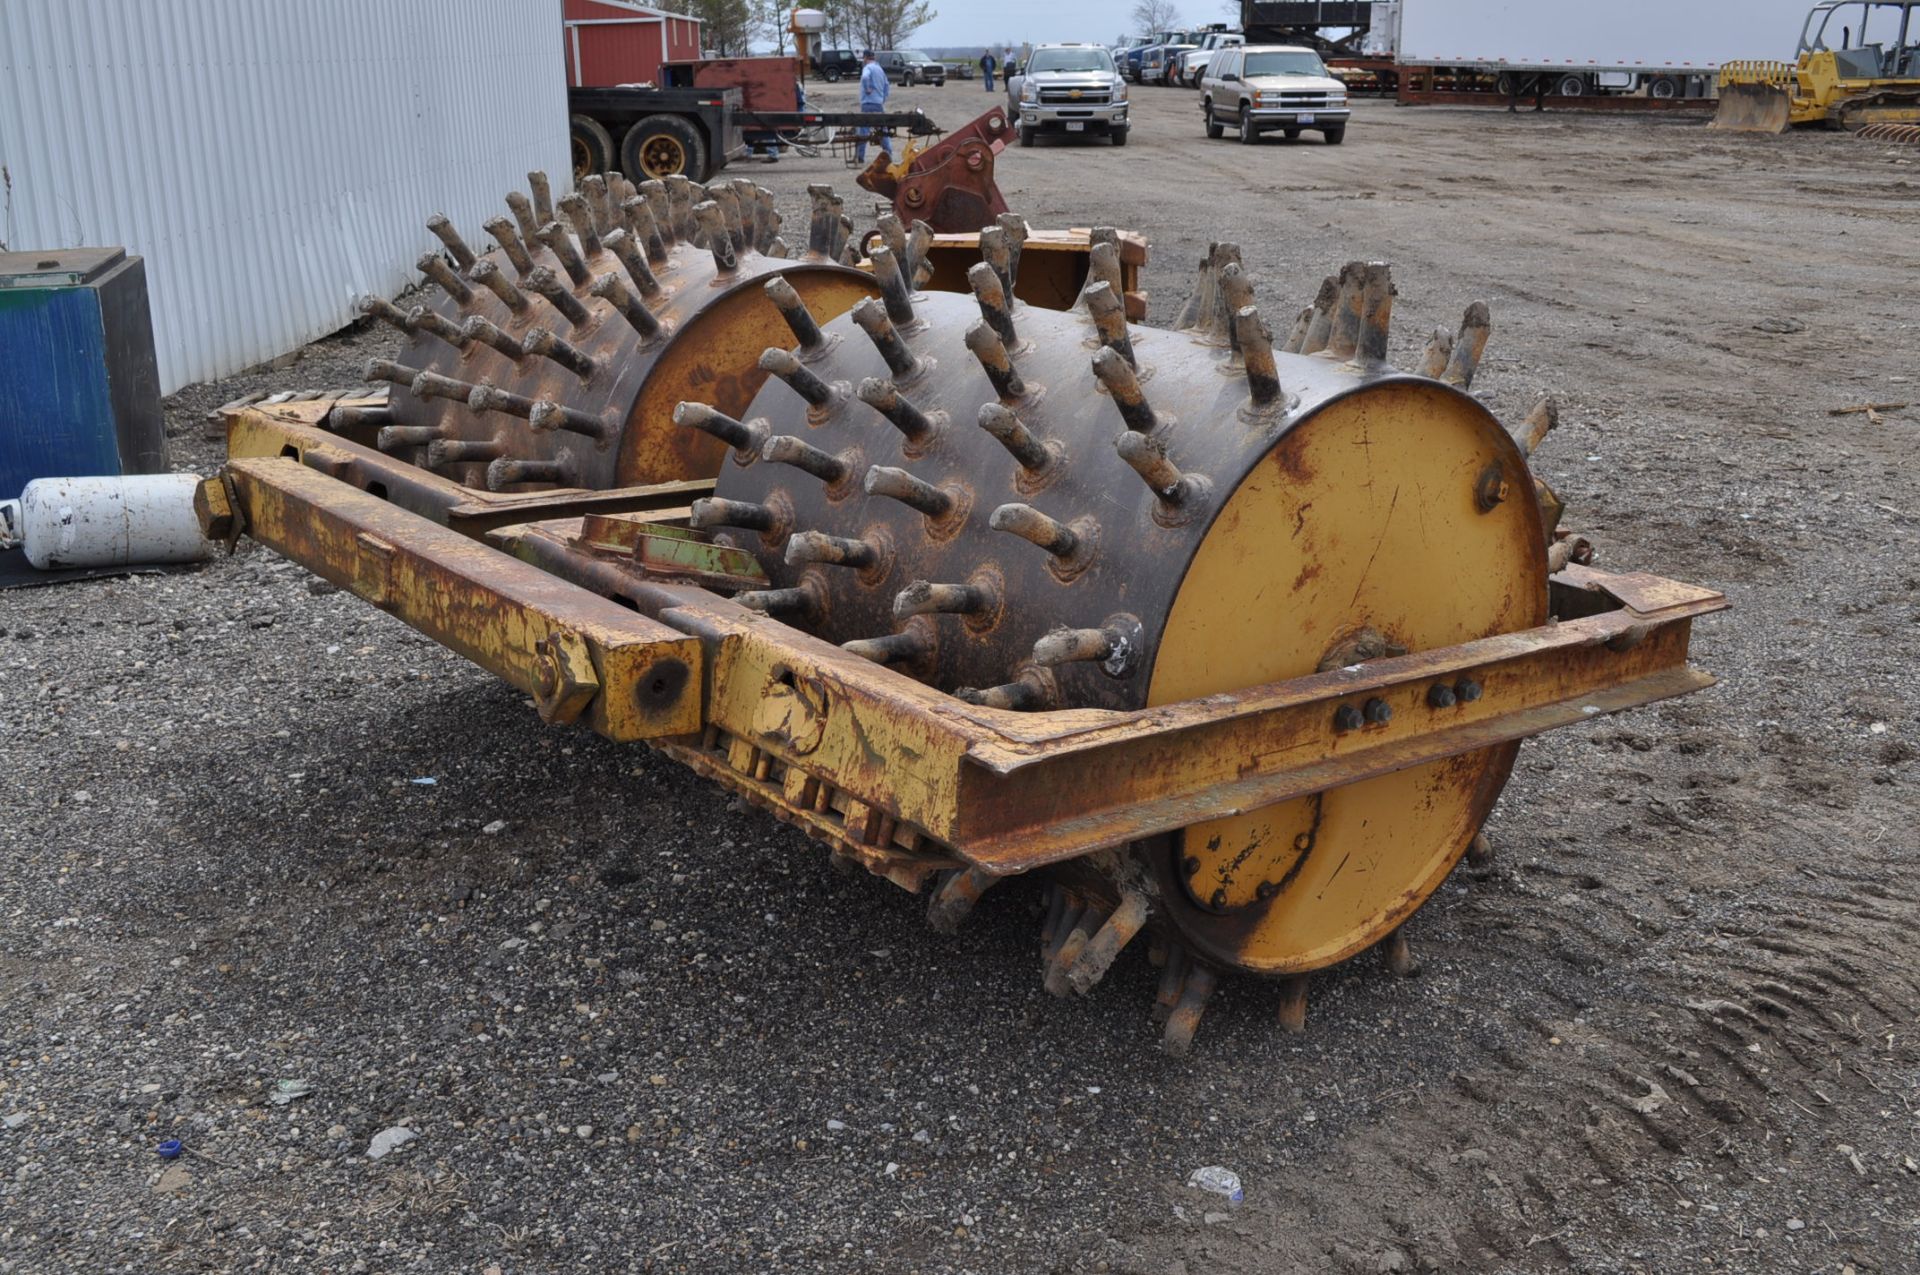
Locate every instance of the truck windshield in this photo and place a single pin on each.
(1068, 60)
(1302, 63)
(915, 55)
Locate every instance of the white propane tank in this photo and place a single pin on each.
(111, 522)
(808, 21)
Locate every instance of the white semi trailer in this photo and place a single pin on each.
(1670, 48)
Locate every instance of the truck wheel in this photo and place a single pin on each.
(1570, 86)
(830, 74)
(1214, 129)
(592, 146)
(1026, 135)
(1335, 136)
(1663, 87)
(1247, 134)
(662, 146)
(1119, 135)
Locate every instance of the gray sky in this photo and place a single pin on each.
(1017, 21)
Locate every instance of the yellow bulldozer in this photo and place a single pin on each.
(1858, 66)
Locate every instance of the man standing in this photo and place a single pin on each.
(874, 87)
(987, 63)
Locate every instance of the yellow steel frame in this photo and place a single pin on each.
(900, 777)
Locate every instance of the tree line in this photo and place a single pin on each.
(733, 27)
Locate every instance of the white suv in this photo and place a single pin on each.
(1266, 87)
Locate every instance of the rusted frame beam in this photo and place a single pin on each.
(1011, 792)
(582, 658)
(1021, 809)
(1014, 791)
(909, 773)
(296, 430)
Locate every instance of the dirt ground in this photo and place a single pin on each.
(637, 1026)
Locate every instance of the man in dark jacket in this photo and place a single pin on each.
(987, 64)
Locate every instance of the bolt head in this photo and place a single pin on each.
(1491, 488)
(1347, 717)
(1467, 690)
(1378, 712)
(1440, 695)
(1218, 898)
(1190, 866)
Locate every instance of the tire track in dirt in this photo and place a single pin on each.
(1675, 1089)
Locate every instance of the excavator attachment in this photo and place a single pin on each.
(949, 185)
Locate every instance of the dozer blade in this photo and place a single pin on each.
(1752, 108)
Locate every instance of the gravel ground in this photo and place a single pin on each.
(259, 832)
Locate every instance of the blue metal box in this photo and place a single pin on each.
(79, 385)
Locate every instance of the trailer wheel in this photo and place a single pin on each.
(662, 146)
(1570, 86)
(592, 146)
(1663, 87)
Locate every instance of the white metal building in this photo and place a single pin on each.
(273, 160)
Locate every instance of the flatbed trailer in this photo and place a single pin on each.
(648, 132)
(1646, 54)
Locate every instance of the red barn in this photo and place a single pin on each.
(612, 42)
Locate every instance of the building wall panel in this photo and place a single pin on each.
(273, 162)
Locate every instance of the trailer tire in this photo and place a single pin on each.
(1504, 84)
(1663, 87)
(592, 146)
(662, 146)
(1570, 86)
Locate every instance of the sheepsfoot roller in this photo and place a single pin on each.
(1229, 632)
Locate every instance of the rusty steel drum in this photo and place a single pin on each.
(1035, 510)
(532, 366)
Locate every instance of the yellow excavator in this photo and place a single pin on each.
(1858, 65)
